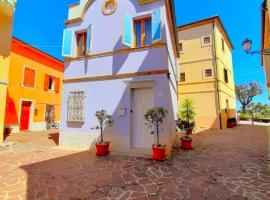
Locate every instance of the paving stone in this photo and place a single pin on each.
(221, 166)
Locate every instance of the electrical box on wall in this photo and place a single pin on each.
(122, 111)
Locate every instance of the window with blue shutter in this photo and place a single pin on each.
(156, 25)
(67, 43)
(128, 31)
(89, 39)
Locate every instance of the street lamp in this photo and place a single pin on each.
(247, 47)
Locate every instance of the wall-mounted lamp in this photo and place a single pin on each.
(246, 44)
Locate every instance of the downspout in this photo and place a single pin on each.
(216, 75)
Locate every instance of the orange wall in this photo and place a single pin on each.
(21, 56)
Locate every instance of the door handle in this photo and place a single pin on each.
(131, 111)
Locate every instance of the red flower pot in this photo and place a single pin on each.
(102, 149)
(186, 143)
(158, 153)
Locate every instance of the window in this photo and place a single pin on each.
(109, 7)
(75, 110)
(208, 73)
(51, 83)
(226, 75)
(206, 40)
(81, 43)
(223, 44)
(182, 77)
(143, 32)
(29, 77)
(181, 47)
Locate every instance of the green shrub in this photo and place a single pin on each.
(244, 117)
(257, 118)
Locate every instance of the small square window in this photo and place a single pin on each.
(206, 40)
(208, 73)
(182, 77)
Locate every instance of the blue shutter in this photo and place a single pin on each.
(156, 25)
(89, 39)
(128, 31)
(67, 43)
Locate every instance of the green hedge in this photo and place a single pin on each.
(265, 120)
(244, 117)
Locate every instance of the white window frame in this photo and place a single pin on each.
(76, 106)
(204, 73)
(202, 41)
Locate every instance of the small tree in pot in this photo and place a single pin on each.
(155, 117)
(186, 122)
(102, 148)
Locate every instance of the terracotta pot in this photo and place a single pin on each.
(102, 149)
(235, 124)
(158, 153)
(186, 143)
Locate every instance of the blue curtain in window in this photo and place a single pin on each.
(128, 31)
(148, 32)
(138, 28)
(67, 43)
(156, 25)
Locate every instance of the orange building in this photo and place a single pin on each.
(34, 90)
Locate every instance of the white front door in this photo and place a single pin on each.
(142, 100)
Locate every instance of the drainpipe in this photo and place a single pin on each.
(214, 52)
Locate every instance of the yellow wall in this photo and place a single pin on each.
(194, 59)
(227, 91)
(38, 95)
(6, 16)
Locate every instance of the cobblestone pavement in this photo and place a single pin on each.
(38, 138)
(228, 164)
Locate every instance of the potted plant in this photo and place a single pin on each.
(155, 117)
(187, 122)
(102, 148)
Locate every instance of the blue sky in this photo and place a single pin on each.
(41, 23)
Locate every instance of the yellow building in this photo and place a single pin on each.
(6, 21)
(207, 72)
(266, 40)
